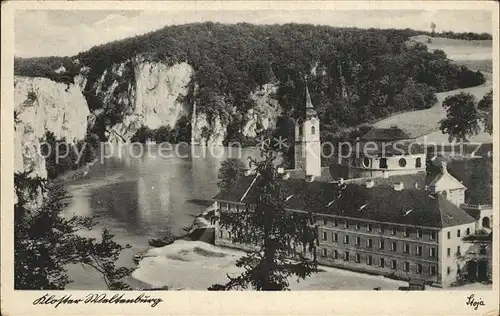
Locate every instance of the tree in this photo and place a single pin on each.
(182, 131)
(91, 143)
(163, 134)
(285, 128)
(45, 241)
(142, 135)
(462, 117)
(267, 225)
(485, 107)
(480, 172)
(230, 172)
(358, 73)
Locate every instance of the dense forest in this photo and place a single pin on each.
(354, 75)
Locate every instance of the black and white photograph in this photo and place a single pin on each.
(160, 149)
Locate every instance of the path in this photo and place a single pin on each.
(426, 122)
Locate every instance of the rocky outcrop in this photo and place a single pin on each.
(263, 116)
(134, 93)
(265, 113)
(145, 93)
(42, 105)
(209, 133)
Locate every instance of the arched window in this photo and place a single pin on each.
(313, 130)
(486, 222)
(444, 194)
(366, 162)
(418, 163)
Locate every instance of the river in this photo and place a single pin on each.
(141, 192)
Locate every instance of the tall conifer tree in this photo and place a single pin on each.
(272, 231)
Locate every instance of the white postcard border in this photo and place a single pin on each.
(234, 303)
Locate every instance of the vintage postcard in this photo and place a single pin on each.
(186, 158)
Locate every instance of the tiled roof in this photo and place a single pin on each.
(445, 178)
(237, 191)
(387, 134)
(451, 182)
(389, 147)
(300, 174)
(380, 203)
(409, 181)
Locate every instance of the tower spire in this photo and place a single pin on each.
(308, 99)
(308, 146)
(310, 111)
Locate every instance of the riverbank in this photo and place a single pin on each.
(194, 265)
(75, 174)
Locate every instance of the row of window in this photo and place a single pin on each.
(382, 229)
(383, 162)
(382, 263)
(467, 232)
(369, 226)
(229, 206)
(381, 244)
(313, 130)
(448, 251)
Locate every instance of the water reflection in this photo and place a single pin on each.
(142, 193)
(118, 201)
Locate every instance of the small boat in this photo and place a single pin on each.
(162, 288)
(161, 242)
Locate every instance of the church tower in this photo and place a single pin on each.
(307, 142)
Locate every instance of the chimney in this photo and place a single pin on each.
(309, 178)
(398, 186)
(370, 183)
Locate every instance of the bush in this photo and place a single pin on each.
(163, 134)
(142, 135)
(62, 156)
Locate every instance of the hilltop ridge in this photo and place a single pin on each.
(243, 78)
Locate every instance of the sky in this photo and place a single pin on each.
(66, 33)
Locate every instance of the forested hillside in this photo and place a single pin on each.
(354, 75)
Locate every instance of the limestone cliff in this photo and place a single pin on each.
(265, 113)
(138, 91)
(208, 133)
(145, 93)
(153, 94)
(42, 105)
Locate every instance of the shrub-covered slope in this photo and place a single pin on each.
(354, 76)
